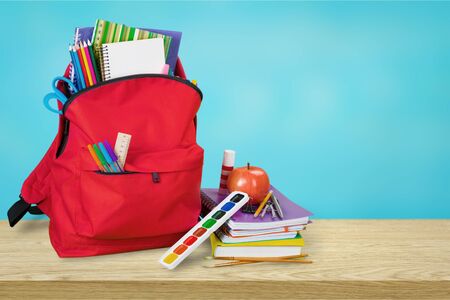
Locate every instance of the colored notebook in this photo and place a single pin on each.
(273, 248)
(83, 34)
(86, 33)
(106, 32)
(294, 214)
(226, 237)
(132, 58)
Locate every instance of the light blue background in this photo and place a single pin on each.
(346, 105)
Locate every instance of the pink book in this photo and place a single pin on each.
(294, 214)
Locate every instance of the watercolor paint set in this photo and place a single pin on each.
(201, 232)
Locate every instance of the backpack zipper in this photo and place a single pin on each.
(181, 80)
(155, 175)
(65, 136)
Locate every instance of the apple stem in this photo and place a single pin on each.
(248, 166)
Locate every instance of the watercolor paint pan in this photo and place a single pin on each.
(200, 232)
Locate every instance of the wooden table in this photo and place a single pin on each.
(353, 259)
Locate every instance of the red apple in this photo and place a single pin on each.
(251, 180)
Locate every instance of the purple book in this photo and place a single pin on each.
(86, 33)
(294, 214)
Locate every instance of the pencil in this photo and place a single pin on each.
(267, 257)
(263, 257)
(74, 69)
(94, 62)
(83, 68)
(263, 203)
(86, 64)
(292, 260)
(244, 262)
(89, 60)
(80, 78)
(234, 263)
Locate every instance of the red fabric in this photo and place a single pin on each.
(92, 213)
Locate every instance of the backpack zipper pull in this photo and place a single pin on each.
(155, 177)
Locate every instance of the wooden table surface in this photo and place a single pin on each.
(353, 259)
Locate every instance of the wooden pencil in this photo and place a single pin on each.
(260, 258)
(243, 262)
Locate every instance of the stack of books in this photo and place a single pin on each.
(247, 236)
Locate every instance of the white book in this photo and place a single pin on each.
(132, 58)
(268, 251)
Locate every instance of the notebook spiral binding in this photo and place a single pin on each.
(105, 66)
(207, 204)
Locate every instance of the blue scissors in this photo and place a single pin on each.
(57, 94)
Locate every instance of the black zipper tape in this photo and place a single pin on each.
(115, 173)
(155, 175)
(181, 80)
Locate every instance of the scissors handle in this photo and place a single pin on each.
(57, 94)
(66, 80)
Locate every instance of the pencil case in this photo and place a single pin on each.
(150, 205)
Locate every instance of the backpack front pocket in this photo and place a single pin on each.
(159, 195)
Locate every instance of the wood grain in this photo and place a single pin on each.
(353, 259)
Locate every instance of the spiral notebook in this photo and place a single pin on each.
(110, 32)
(132, 58)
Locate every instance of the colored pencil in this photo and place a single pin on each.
(80, 77)
(86, 65)
(89, 60)
(83, 68)
(94, 62)
(74, 69)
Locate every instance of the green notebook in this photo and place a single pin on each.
(110, 32)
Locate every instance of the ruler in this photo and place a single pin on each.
(121, 147)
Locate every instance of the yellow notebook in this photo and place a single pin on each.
(271, 248)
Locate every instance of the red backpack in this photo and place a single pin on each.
(151, 205)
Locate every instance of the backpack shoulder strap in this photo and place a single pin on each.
(35, 189)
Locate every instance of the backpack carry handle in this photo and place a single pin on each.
(19, 209)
